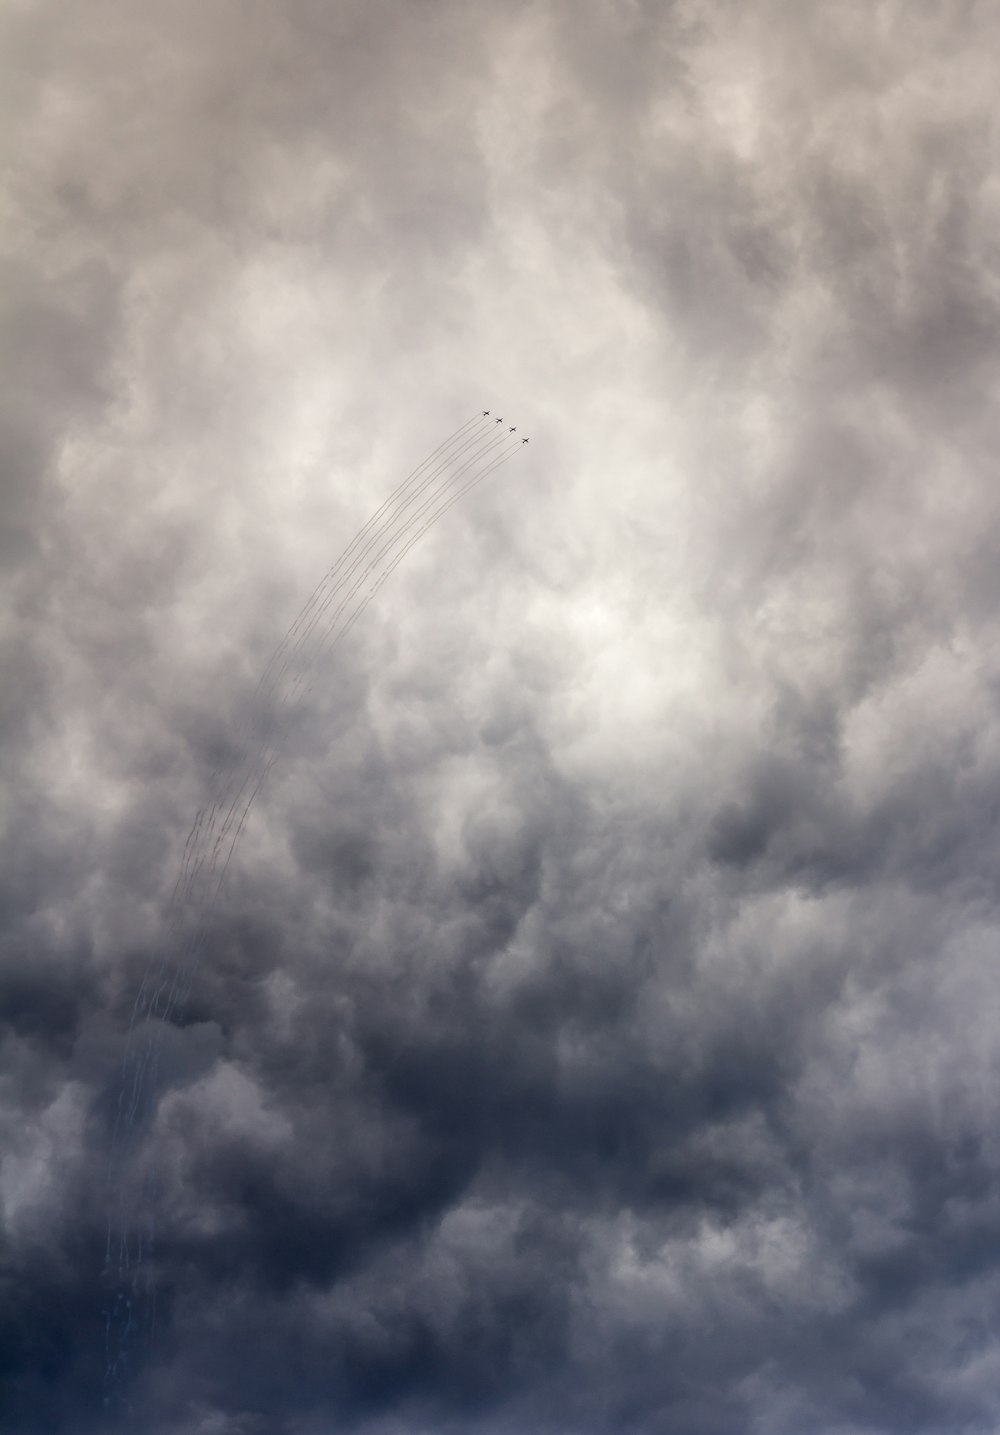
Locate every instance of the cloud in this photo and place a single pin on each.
(596, 1030)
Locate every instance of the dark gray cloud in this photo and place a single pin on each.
(597, 1030)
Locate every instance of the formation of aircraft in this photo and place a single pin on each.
(512, 429)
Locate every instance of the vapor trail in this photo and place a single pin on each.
(202, 870)
(381, 539)
(478, 445)
(448, 478)
(460, 462)
(331, 635)
(295, 638)
(359, 536)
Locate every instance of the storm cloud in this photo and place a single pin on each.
(598, 1028)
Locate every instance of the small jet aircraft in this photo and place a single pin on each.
(486, 413)
(513, 429)
(499, 421)
(524, 440)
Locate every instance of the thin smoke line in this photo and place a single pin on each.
(356, 577)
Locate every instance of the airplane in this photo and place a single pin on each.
(512, 429)
(524, 440)
(486, 413)
(499, 421)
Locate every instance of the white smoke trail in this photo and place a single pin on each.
(458, 464)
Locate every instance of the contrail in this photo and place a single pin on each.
(291, 646)
(359, 536)
(325, 643)
(199, 869)
(382, 540)
(376, 537)
(458, 464)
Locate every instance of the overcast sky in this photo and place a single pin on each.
(599, 1030)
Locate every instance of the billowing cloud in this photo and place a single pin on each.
(596, 1030)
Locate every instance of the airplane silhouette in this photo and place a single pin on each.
(524, 440)
(486, 413)
(499, 421)
(513, 430)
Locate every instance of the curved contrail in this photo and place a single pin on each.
(361, 534)
(458, 464)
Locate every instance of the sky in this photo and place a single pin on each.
(597, 1031)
